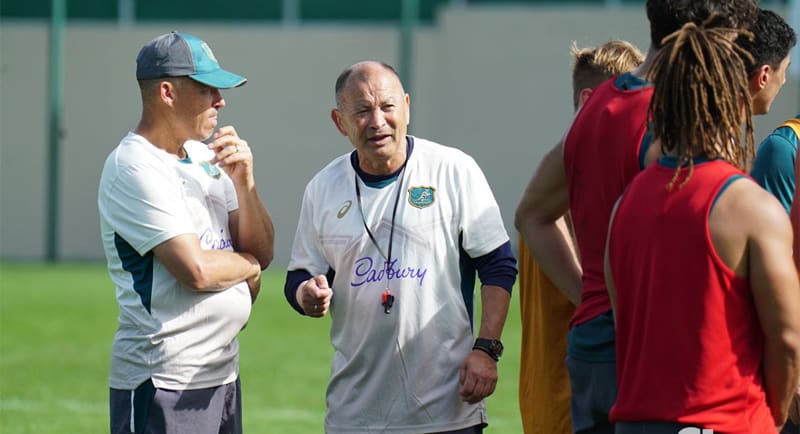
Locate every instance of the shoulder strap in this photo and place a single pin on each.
(792, 123)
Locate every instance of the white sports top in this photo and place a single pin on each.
(179, 338)
(399, 372)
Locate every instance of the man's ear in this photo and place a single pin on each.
(760, 78)
(408, 108)
(336, 117)
(583, 96)
(166, 90)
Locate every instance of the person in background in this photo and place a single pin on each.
(186, 237)
(770, 44)
(604, 148)
(770, 47)
(545, 313)
(774, 166)
(717, 332)
(793, 424)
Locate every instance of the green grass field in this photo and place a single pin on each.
(56, 326)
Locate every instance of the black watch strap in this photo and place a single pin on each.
(492, 347)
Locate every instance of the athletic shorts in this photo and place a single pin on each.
(790, 428)
(656, 428)
(149, 410)
(594, 390)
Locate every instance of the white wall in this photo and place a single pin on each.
(494, 82)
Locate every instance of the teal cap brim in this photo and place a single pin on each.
(221, 79)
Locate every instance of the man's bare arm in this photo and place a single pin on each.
(543, 203)
(205, 270)
(250, 225)
(776, 293)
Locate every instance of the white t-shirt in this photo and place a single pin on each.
(179, 338)
(399, 372)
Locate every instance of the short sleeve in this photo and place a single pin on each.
(482, 227)
(306, 253)
(145, 207)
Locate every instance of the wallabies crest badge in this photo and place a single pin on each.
(211, 169)
(421, 197)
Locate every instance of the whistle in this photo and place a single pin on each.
(387, 300)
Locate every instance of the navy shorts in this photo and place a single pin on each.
(656, 428)
(594, 390)
(790, 428)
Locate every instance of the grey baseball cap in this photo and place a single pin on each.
(181, 55)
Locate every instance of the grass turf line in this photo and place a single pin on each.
(56, 327)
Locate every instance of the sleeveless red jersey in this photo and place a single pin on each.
(795, 214)
(689, 342)
(601, 156)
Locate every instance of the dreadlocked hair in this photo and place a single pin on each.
(700, 88)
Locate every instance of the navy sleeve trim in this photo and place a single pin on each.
(497, 268)
(293, 279)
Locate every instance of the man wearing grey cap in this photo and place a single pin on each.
(185, 236)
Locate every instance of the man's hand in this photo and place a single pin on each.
(234, 156)
(254, 285)
(314, 296)
(478, 376)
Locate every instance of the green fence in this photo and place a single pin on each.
(249, 10)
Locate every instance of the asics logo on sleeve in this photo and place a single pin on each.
(343, 210)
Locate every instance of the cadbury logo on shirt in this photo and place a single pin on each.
(365, 272)
(210, 242)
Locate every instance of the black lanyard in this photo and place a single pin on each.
(387, 299)
(388, 255)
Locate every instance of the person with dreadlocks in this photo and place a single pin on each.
(604, 148)
(699, 259)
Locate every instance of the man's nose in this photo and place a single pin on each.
(377, 119)
(219, 101)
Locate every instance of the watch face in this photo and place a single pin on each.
(491, 346)
(497, 347)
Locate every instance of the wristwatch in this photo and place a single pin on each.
(492, 347)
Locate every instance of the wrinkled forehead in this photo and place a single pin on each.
(372, 88)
